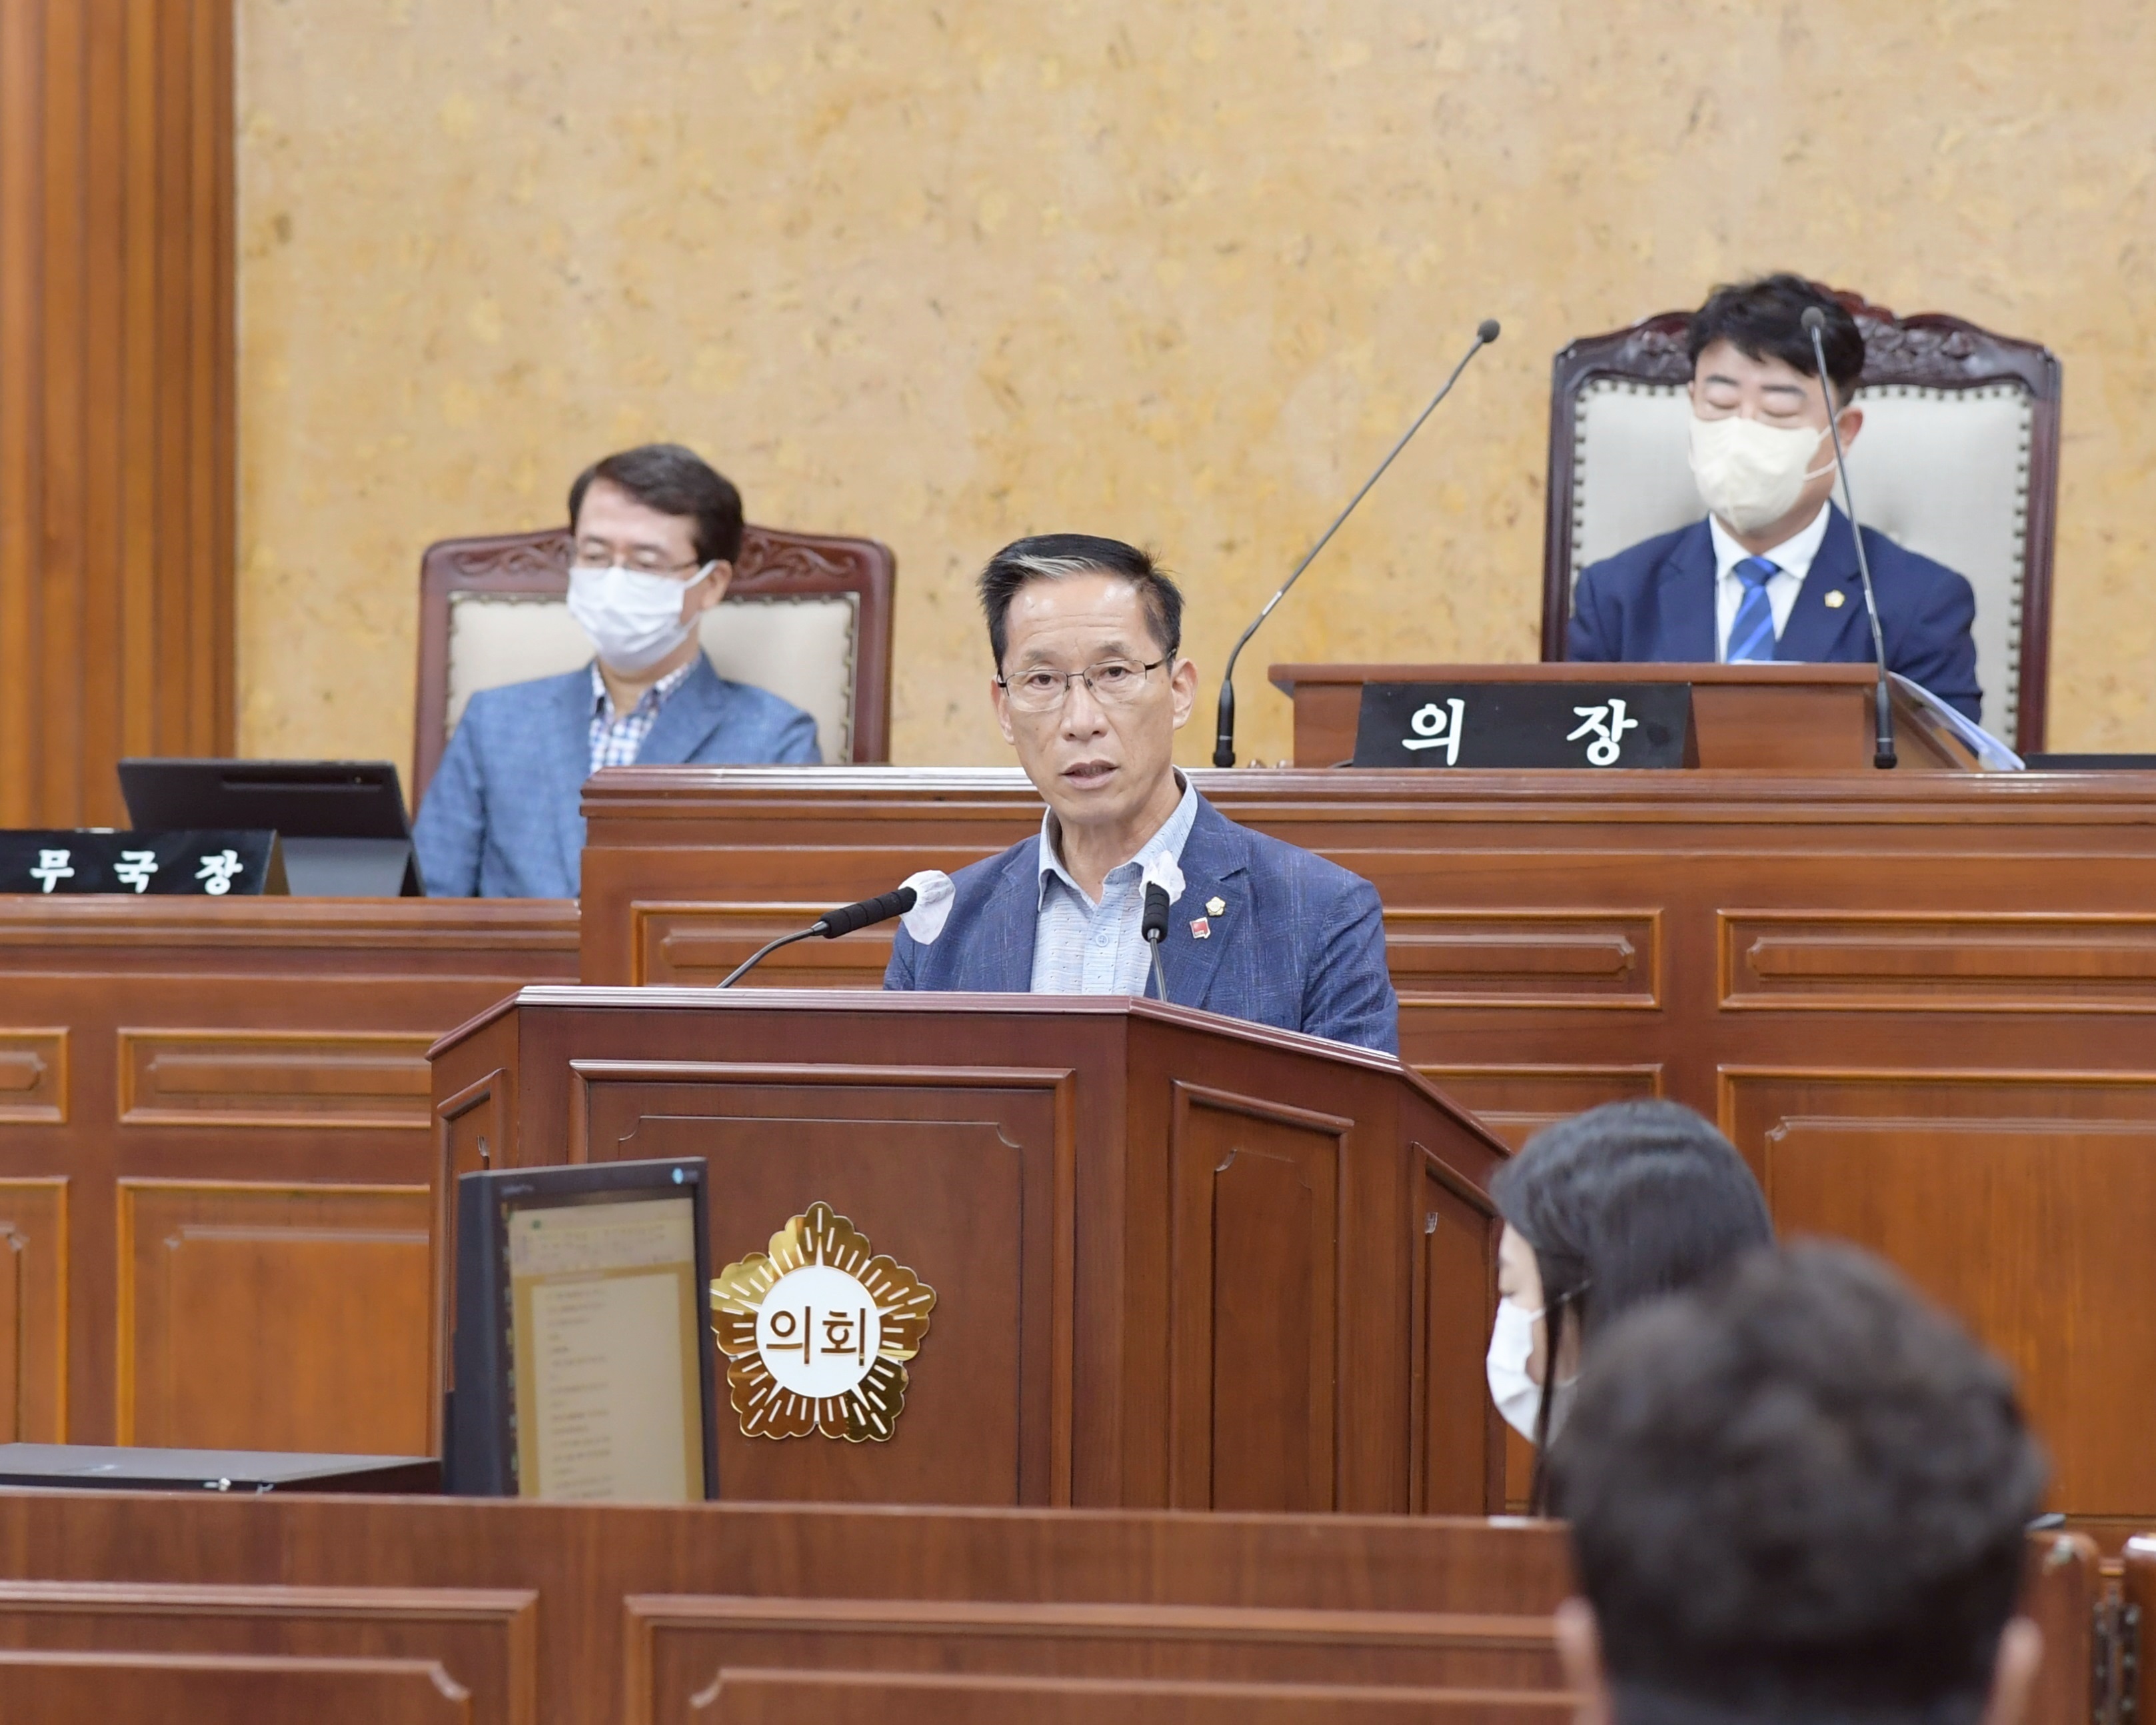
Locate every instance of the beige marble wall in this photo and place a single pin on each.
(950, 272)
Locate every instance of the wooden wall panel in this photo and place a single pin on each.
(1525, 959)
(955, 1175)
(272, 1078)
(116, 423)
(1562, 939)
(34, 1077)
(1516, 1102)
(697, 946)
(2009, 1196)
(678, 1645)
(268, 1043)
(1254, 1318)
(278, 1317)
(33, 1311)
(485, 1641)
(775, 1697)
(641, 1606)
(1459, 1437)
(1897, 961)
(226, 1689)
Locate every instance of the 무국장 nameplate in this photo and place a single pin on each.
(215, 865)
(1514, 725)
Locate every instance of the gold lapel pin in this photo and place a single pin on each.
(1834, 600)
(1215, 906)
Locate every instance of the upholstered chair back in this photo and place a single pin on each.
(1957, 460)
(807, 617)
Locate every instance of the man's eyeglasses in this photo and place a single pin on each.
(595, 554)
(1113, 682)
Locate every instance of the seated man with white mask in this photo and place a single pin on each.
(657, 533)
(1772, 572)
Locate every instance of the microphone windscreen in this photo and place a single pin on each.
(1489, 330)
(848, 918)
(1813, 319)
(1154, 926)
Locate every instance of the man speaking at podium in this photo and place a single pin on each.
(1772, 572)
(1090, 689)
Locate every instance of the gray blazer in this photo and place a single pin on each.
(502, 818)
(1300, 944)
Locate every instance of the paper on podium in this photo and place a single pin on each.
(1991, 754)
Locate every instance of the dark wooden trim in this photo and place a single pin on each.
(1931, 349)
(774, 561)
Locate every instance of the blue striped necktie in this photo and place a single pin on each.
(1752, 635)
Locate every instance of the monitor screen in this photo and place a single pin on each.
(297, 799)
(604, 1331)
(583, 1364)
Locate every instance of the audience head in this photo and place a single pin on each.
(1100, 746)
(1604, 1211)
(657, 532)
(1759, 446)
(1797, 1496)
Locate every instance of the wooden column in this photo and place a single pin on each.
(116, 461)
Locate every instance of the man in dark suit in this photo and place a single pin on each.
(1089, 690)
(1772, 572)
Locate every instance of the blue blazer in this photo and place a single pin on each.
(503, 820)
(1654, 604)
(1301, 945)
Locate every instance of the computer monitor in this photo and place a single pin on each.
(341, 822)
(583, 1359)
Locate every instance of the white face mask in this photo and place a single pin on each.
(1752, 475)
(1517, 1395)
(633, 618)
(1511, 1343)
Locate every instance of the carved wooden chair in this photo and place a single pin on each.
(807, 617)
(1959, 461)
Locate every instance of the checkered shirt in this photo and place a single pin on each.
(617, 738)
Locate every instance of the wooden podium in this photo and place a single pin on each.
(1803, 718)
(1180, 1261)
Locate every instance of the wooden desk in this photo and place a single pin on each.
(217, 1160)
(1801, 718)
(576, 1614)
(1180, 1261)
(1924, 1005)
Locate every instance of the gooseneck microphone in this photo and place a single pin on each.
(1154, 926)
(1223, 741)
(1883, 705)
(831, 925)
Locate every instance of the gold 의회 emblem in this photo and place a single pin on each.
(817, 1332)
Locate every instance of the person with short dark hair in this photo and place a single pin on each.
(1771, 574)
(1611, 1207)
(658, 531)
(1797, 1496)
(1089, 687)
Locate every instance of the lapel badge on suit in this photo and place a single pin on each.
(1215, 906)
(1833, 599)
(1200, 929)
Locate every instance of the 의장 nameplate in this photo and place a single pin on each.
(1515, 725)
(214, 864)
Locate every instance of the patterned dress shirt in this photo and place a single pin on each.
(1080, 947)
(617, 738)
